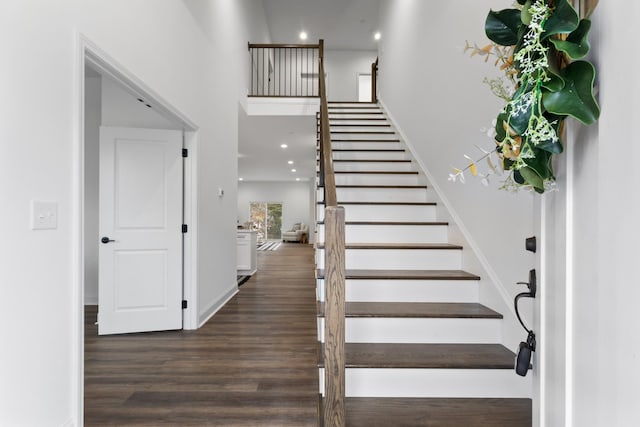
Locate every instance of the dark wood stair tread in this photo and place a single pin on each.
(385, 203)
(398, 246)
(378, 186)
(354, 112)
(364, 140)
(361, 125)
(411, 223)
(406, 275)
(426, 356)
(363, 118)
(364, 150)
(363, 132)
(372, 160)
(437, 412)
(378, 172)
(431, 310)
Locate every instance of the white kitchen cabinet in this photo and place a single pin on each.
(246, 242)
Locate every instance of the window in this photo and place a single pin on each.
(266, 218)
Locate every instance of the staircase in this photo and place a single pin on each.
(420, 349)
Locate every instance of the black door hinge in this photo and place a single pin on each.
(185, 228)
(184, 303)
(185, 152)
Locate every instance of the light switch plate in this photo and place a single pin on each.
(44, 215)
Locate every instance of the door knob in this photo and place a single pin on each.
(106, 240)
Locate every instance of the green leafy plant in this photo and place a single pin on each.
(552, 82)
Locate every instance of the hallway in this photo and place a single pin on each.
(253, 364)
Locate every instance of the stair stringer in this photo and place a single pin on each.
(492, 292)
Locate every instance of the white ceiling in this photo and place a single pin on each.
(344, 25)
(260, 157)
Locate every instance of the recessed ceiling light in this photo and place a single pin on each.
(290, 162)
(293, 170)
(303, 35)
(297, 179)
(377, 35)
(241, 179)
(283, 145)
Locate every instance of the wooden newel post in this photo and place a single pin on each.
(334, 359)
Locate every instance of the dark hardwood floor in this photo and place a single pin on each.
(253, 364)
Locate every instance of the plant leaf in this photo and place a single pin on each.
(564, 19)
(555, 82)
(575, 99)
(532, 178)
(525, 16)
(502, 27)
(577, 43)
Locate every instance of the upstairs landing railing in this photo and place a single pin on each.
(284, 70)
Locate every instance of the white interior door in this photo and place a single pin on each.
(140, 257)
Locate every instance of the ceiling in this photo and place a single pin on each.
(344, 25)
(260, 157)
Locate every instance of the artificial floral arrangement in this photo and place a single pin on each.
(538, 44)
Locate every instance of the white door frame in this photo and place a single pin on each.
(89, 53)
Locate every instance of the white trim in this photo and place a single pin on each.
(77, 250)
(190, 272)
(69, 423)
(541, 359)
(569, 283)
(215, 307)
(493, 276)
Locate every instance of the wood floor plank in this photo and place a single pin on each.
(253, 364)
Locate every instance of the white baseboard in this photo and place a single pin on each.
(213, 309)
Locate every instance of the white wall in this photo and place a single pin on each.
(121, 108)
(296, 199)
(160, 43)
(595, 383)
(92, 120)
(435, 93)
(342, 67)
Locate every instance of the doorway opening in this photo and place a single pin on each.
(98, 71)
(266, 219)
(364, 88)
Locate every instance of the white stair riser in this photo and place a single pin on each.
(353, 114)
(370, 155)
(340, 135)
(392, 233)
(365, 128)
(409, 259)
(419, 330)
(357, 121)
(365, 145)
(368, 382)
(385, 213)
(407, 290)
(349, 109)
(376, 179)
(418, 194)
(372, 166)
